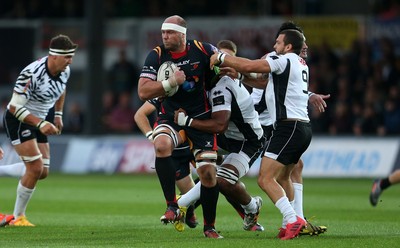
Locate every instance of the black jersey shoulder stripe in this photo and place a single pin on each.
(158, 51)
(200, 46)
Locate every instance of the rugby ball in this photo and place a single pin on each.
(165, 71)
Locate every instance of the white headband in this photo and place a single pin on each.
(175, 27)
(61, 52)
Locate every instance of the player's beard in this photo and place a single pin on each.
(304, 53)
(173, 47)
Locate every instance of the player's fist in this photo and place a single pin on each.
(213, 60)
(179, 77)
(217, 59)
(47, 128)
(182, 119)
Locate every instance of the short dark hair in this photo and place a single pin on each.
(295, 38)
(62, 42)
(227, 44)
(289, 25)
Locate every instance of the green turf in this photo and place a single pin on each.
(124, 211)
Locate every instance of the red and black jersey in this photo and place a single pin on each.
(192, 94)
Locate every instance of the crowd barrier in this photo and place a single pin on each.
(326, 157)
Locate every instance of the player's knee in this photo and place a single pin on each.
(46, 169)
(163, 148)
(34, 170)
(164, 139)
(262, 182)
(205, 158)
(206, 173)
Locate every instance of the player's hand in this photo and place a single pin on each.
(229, 71)
(48, 128)
(182, 119)
(318, 101)
(214, 60)
(179, 77)
(58, 122)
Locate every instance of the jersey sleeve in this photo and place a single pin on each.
(256, 95)
(24, 85)
(211, 49)
(277, 63)
(221, 97)
(151, 65)
(155, 102)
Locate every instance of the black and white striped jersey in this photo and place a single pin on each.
(41, 89)
(287, 89)
(231, 95)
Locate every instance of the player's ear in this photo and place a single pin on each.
(289, 47)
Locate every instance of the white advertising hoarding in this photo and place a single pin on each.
(347, 157)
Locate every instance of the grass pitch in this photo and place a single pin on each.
(124, 211)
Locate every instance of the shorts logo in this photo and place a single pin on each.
(208, 144)
(26, 133)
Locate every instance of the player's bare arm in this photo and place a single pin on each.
(240, 64)
(142, 120)
(17, 108)
(58, 112)
(149, 89)
(217, 124)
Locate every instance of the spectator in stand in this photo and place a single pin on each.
(371, 121)
(107, 107)
(120, 118)
(123, 76)
(341, 122)
(391, 117)
(75, 119)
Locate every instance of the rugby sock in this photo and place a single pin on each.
(23, 196)
(249, 208)
(165, 168)
(191, 196)
(14, 170)
(385, 183)
(298, 199)
(289, 215)
(236, 206)
(198, 202)
(209, 199)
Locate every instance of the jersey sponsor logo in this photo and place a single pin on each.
(185, 62)
(195, 65)
(219, 100)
